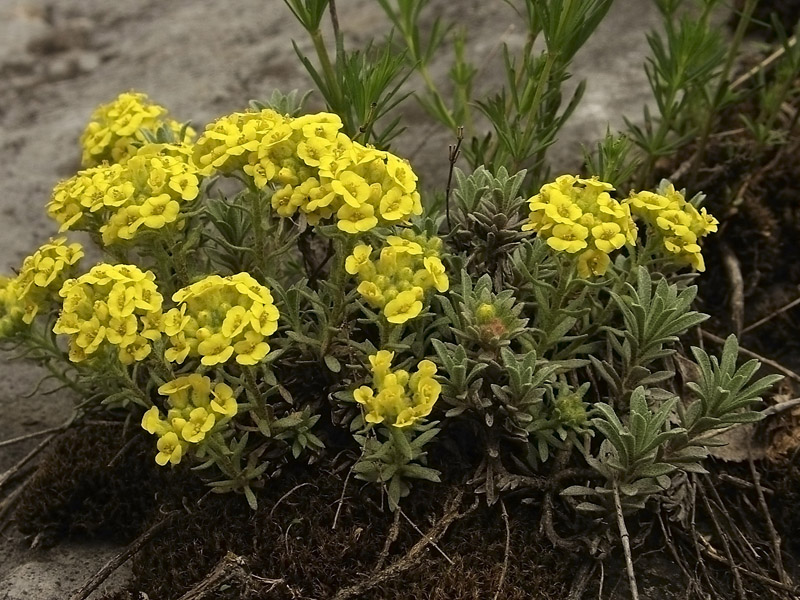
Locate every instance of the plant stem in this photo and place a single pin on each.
(258, 232)
(338, 276)
(626, 544)
(327, 66)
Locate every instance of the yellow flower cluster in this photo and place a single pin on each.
(43, 273)
(11, 309)
(117, 305)
(147, 192)
(221, 317)
(315, 169)
(195, 407)
(116, 129)
(579, 215)
(399, 399)
(405, 269)
(677, 223)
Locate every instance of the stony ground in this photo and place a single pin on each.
(202, 58)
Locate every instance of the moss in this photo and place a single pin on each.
(75, 493)
(291, 536)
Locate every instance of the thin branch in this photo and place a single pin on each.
(775, 365)
(775, 539)
(734, 272)
(231, 568)
(341, 497)
(413, 556)
(419, 531)
(454, 152)
(117, 561)
(764, 63)
(506, 554)
(35, 434)
(737, 578)
(5, 477)
(581, 580)
(8, 503)
(772, 315)
(780, 407)
(626, 544)
(394, 531)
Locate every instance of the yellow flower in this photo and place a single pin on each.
(561, 209)
(568, 238)
(381, 362)
(401, 245)
(404, 307)
(358, 259)
(215, 349)
(170, 449)
(400, 172)
(235, 321)
(137, 350)
(371, 293)
(121, 331)
(593, 262)
(353, 189)
(608, 237)
(356, 220)
(185, 184)
(200, 422)
(158, 211)
(434, 266)
(152, 422)
(179, 349)
(395, 205)
(252, 349)
(398, 400)
(224, 402)
(282, 201)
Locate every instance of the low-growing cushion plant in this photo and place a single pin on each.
(273, 281)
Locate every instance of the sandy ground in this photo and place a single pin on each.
(202, 58)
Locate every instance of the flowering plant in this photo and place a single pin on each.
(324, 291)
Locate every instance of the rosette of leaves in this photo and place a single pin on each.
(642, 452)
(631, 457)
(486, 217)
(393, 456)
(654, 317)
(479, 319)
(516, 403)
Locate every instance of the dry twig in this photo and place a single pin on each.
(626, 544)
(394, 531)
(413, 556)
(453, 154)
(764, 64)
(775, 539)
(506, 554)
(737, 578)
(96, 580)
(772, 315)
(14, 469)
(28, 436)
(231, 569)
(734, 272)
